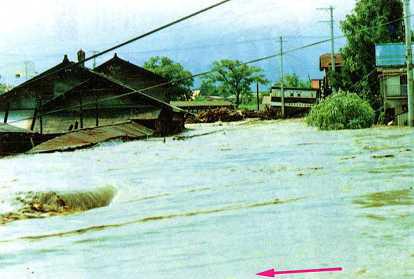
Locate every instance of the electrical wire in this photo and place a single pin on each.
(158, 29)
(141, 91)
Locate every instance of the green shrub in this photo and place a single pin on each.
(341, 111)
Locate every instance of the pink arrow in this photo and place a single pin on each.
(272, 272)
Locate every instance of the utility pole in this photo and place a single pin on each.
(409, 62)
(332, 40)
(257, 96)
(331, 22)
(282, 86)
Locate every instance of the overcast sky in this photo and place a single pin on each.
(42, 31)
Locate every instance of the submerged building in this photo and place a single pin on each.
(69, 96)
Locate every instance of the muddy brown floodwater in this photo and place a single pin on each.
(220, 201)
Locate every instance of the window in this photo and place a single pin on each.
(393, 86)
(403, 83)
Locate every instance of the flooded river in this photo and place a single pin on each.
(224, 201)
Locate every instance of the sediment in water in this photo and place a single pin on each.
(45, 204)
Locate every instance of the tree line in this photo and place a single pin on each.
(370, 22)
(227, 79)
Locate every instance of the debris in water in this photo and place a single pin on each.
(375, 217)
(179, 138)
(390, 198)
(383, 156)
(348, 158)
(47, 204)
(230, 115)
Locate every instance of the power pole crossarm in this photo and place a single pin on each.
(407, 21)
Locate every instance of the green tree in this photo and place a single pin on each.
(363, 28)
(207, 88)
(293, 80)
(342, 110)
(172, 71)
(3, 88)
(232, 77)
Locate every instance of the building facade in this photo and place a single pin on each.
(392, 74)
(70, 96)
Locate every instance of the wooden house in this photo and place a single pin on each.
(392, 74)
(23, 101)
(101, 101)
(136, 77)
(70, 96)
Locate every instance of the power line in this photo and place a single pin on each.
(192, 47)
(203, 46)
(245, 63)
(154, 31)
(135, 39)
(184, 48)
(235, 16)
(141, 91)
(363, 78)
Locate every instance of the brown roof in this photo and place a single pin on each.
(325, 61)
(91, 136)
(137, 70)
(43, 85)
(98, 77)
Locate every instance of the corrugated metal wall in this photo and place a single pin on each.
(390, 54)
